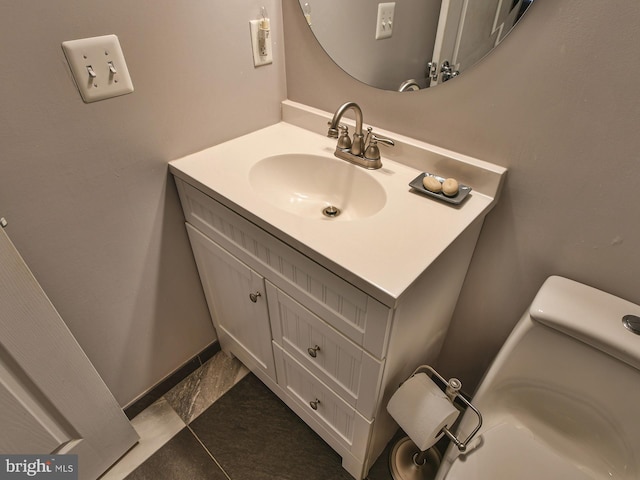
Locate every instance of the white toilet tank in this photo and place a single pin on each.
(562, 398)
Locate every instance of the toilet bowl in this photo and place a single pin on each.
(561, 400)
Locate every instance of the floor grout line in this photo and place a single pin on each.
(209, 453)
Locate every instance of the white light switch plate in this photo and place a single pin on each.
(384, 23)
(98, 67)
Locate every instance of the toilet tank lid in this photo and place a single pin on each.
(589, 315)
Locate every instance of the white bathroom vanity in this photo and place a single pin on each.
(331, 313)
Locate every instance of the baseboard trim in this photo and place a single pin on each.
(171, 381)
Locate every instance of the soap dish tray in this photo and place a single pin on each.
(463, 190)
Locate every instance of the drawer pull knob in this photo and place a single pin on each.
(254, 296)
(313, 351)
(314, 404)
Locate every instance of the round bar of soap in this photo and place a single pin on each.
(432, 184)
(450, 187)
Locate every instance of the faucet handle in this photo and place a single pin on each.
(386, 141)
(372, 139)
(344, 142)
(333, 132)
(372, 151)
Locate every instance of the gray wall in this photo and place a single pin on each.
(557, 103)
(85, 186)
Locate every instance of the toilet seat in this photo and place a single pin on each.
(509, 452)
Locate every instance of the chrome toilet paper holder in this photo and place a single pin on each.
(452, 391)
(407, 460)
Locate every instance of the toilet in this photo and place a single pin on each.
(561, 400)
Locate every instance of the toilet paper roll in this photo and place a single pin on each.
(422, 410)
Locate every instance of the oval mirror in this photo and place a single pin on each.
(410, 44)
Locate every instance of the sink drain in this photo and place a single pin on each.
(331, 211)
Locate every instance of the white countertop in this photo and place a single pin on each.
(382, 254)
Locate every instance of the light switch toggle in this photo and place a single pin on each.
(92, 73)
(112, 68)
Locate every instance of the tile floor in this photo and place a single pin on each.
(222, 423)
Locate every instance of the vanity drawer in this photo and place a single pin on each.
(348, 309)
(321, 404)
(344, 366)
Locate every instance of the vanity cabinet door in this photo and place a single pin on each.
(237, 301)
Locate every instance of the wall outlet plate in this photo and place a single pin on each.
(98, 67)
(259, 60)
(384, 23)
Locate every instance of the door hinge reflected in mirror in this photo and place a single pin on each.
(444, 73)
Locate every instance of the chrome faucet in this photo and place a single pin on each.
(360, 151)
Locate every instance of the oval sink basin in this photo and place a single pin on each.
(307, 184)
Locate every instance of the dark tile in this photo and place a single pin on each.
(253, 435)
(182, 457)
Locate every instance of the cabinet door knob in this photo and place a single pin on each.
(254, 296)
(313, 351)
(314, 404)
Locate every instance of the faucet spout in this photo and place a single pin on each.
(358, 137)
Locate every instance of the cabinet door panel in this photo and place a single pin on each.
(237, 302)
